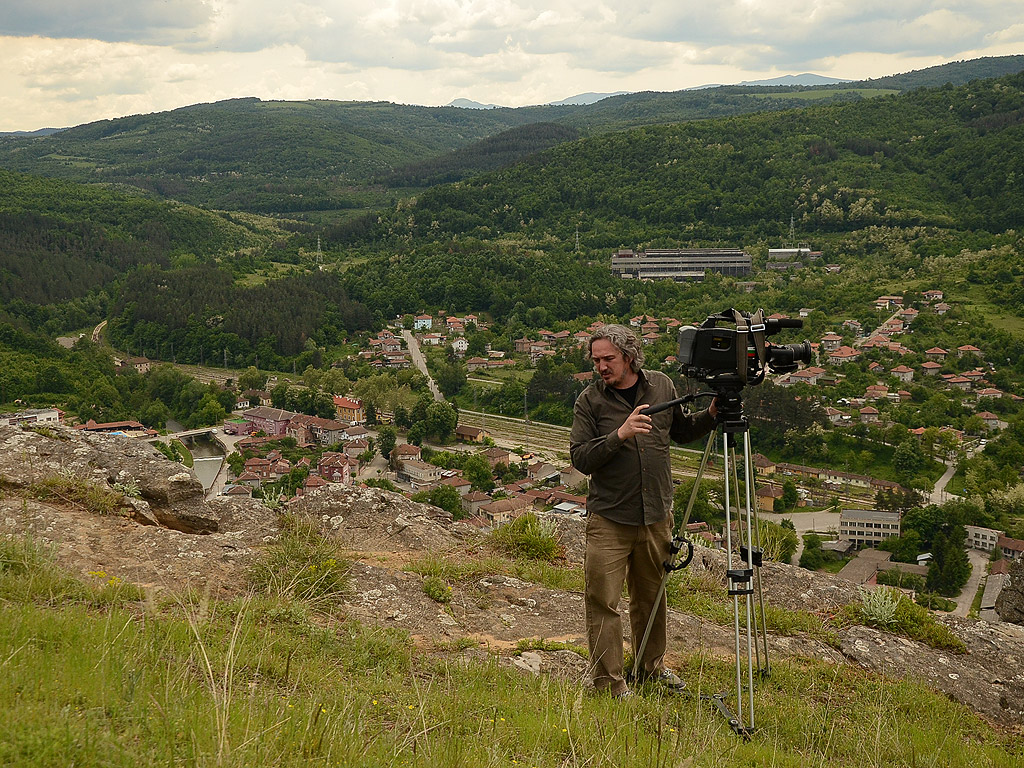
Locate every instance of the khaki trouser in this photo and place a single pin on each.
(635, 554)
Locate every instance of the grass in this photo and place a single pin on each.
(817, 95)
(464, 569)
(528, 537)
(302, 566)
(186, 454)
(224, 684)
(75, 491)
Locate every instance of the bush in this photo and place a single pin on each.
(878, 606)
(888, 609)
(934, 602)
(81, 493)
(897, 578)
(302, 564)
(528, 537)
(437, 589)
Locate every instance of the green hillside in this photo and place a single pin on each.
(492, 153)
(328, 159)
(950, 158)
(60, 240)
(955, 73)
(269, 156)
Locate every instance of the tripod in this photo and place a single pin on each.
(743, 562)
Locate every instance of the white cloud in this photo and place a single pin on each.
(69, 61)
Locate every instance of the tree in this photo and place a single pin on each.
(908, 459)
(440, 420)
(812, 558)
(703, 509)
(450, 378)
(950, 567)
(478, 472)
(251, 378)
(279, 396)
(387, 437)
(790, 496)
(445, 497)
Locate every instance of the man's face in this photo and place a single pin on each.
(611, 365)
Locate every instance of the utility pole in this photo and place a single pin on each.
(526, 422)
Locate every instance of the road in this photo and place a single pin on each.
(979, 562)
(938, 494)
(421, 362)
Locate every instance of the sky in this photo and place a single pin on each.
(68, 62)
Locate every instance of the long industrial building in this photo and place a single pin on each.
(679, 263)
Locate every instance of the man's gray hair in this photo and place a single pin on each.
(624, 339)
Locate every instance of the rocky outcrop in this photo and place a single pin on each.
(154, 544)
(168, 494)
(1010, 603)
(372, 519)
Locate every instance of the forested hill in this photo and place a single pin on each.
(951, 158)
(321, 159)
(60, 240)
(955, 73)
(488, 154)
(271, 156)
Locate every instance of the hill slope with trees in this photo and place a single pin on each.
(314, 158)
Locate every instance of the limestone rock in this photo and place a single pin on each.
(1010, 603)
(377, 520)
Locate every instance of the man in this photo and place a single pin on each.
(629, 506)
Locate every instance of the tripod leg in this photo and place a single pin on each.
(762, 633)
(670, 564)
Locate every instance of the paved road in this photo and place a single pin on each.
(979, 561)
(421, 362)
(938, 494)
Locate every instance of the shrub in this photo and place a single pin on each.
(934, 602)
(81, 493)
(528, 537)
(437, 589)
(888, 609)
(878, 606)
(897, 578)
(302, 564)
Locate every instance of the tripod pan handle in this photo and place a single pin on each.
(677, 544)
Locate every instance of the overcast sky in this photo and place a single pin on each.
(67, 62)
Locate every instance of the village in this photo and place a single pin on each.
(278, 454)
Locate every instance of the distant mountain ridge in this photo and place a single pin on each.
(319, 160)
(38, 132)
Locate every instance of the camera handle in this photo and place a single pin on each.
(650, 410)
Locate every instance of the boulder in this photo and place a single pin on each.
(1010, 603)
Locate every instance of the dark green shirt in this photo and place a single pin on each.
(631, 480)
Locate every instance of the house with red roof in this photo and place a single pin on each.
(843, 355)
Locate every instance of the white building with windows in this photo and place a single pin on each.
(984, 539)
(868, 527)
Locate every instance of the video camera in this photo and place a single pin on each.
(729, 358)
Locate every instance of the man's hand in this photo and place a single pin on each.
(713, 408)
(635, 424)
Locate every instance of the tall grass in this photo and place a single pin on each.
(201, 682)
